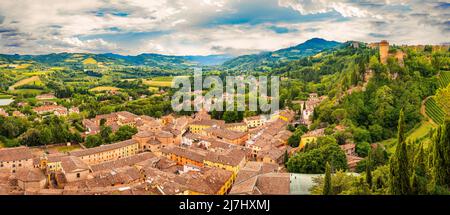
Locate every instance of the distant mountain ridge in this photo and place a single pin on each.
(265, 59)
(269, 59)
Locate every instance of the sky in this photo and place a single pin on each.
(210, 27)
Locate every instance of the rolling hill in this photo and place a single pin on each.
(272, 59)
(248, 62)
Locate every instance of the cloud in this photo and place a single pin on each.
(281, 30)
(194, 27)
(346, 9)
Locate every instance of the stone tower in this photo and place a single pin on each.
(384, 51)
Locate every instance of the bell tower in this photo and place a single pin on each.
(384, 51)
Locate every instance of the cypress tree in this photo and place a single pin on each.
(369, 170)
(286, 157)
(441, 156)
(327, 190)
(399, 168)
(419, 176)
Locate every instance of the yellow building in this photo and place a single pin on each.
(242, 127)
(306, 140)
(232, 161)
(200, 125)
(108, 152)
(311, 136)
(285, 115)
(254, 121)
(183, 156)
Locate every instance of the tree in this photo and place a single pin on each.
(383, 101)
(341, 183)
(399, 167)
(286, 157)
(341, 137)
(124, 133)
(369, 171)
(363, 149)
(361, 135)
(419, 178)
(441, 157)
(93, 141)
(30, 138)
(102, 121)
(45, 136)
(339, 114)
(76, 137)
(376, 132)
(105, 133)
(314, 160)
(327, 189)
(294, 140)
(230, 116)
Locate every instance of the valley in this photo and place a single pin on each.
(349, 106)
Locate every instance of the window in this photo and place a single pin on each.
(78, 175)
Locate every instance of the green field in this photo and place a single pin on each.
(104, 88)
(161, 81)
(444, 78)
(421, 131)
(36, 73)
(64, 149)
(153, 89)
(34, 80)
(158, 83)
(5, 96)
(434, 111)
(26, 91)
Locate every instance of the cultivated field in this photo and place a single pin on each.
(32, 80)
(33, 92)
(433, 110)
(104, 88)
(444, 78)
(163, 81)
(89, 61)
(421, 131)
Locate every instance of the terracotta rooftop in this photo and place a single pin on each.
(144, 134)
(274, 183)
(227, 134)
(207, 122)
(48, 108)
(103, 148)
(208, 182)
(13, 154)
(30, 175)
(232, 157)
(348, 146)
(251, 118)
(122, 162)
(195, 155)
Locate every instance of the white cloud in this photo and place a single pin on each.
(38, 26)
(343, 7)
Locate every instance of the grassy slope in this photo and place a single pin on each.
(27, 81)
